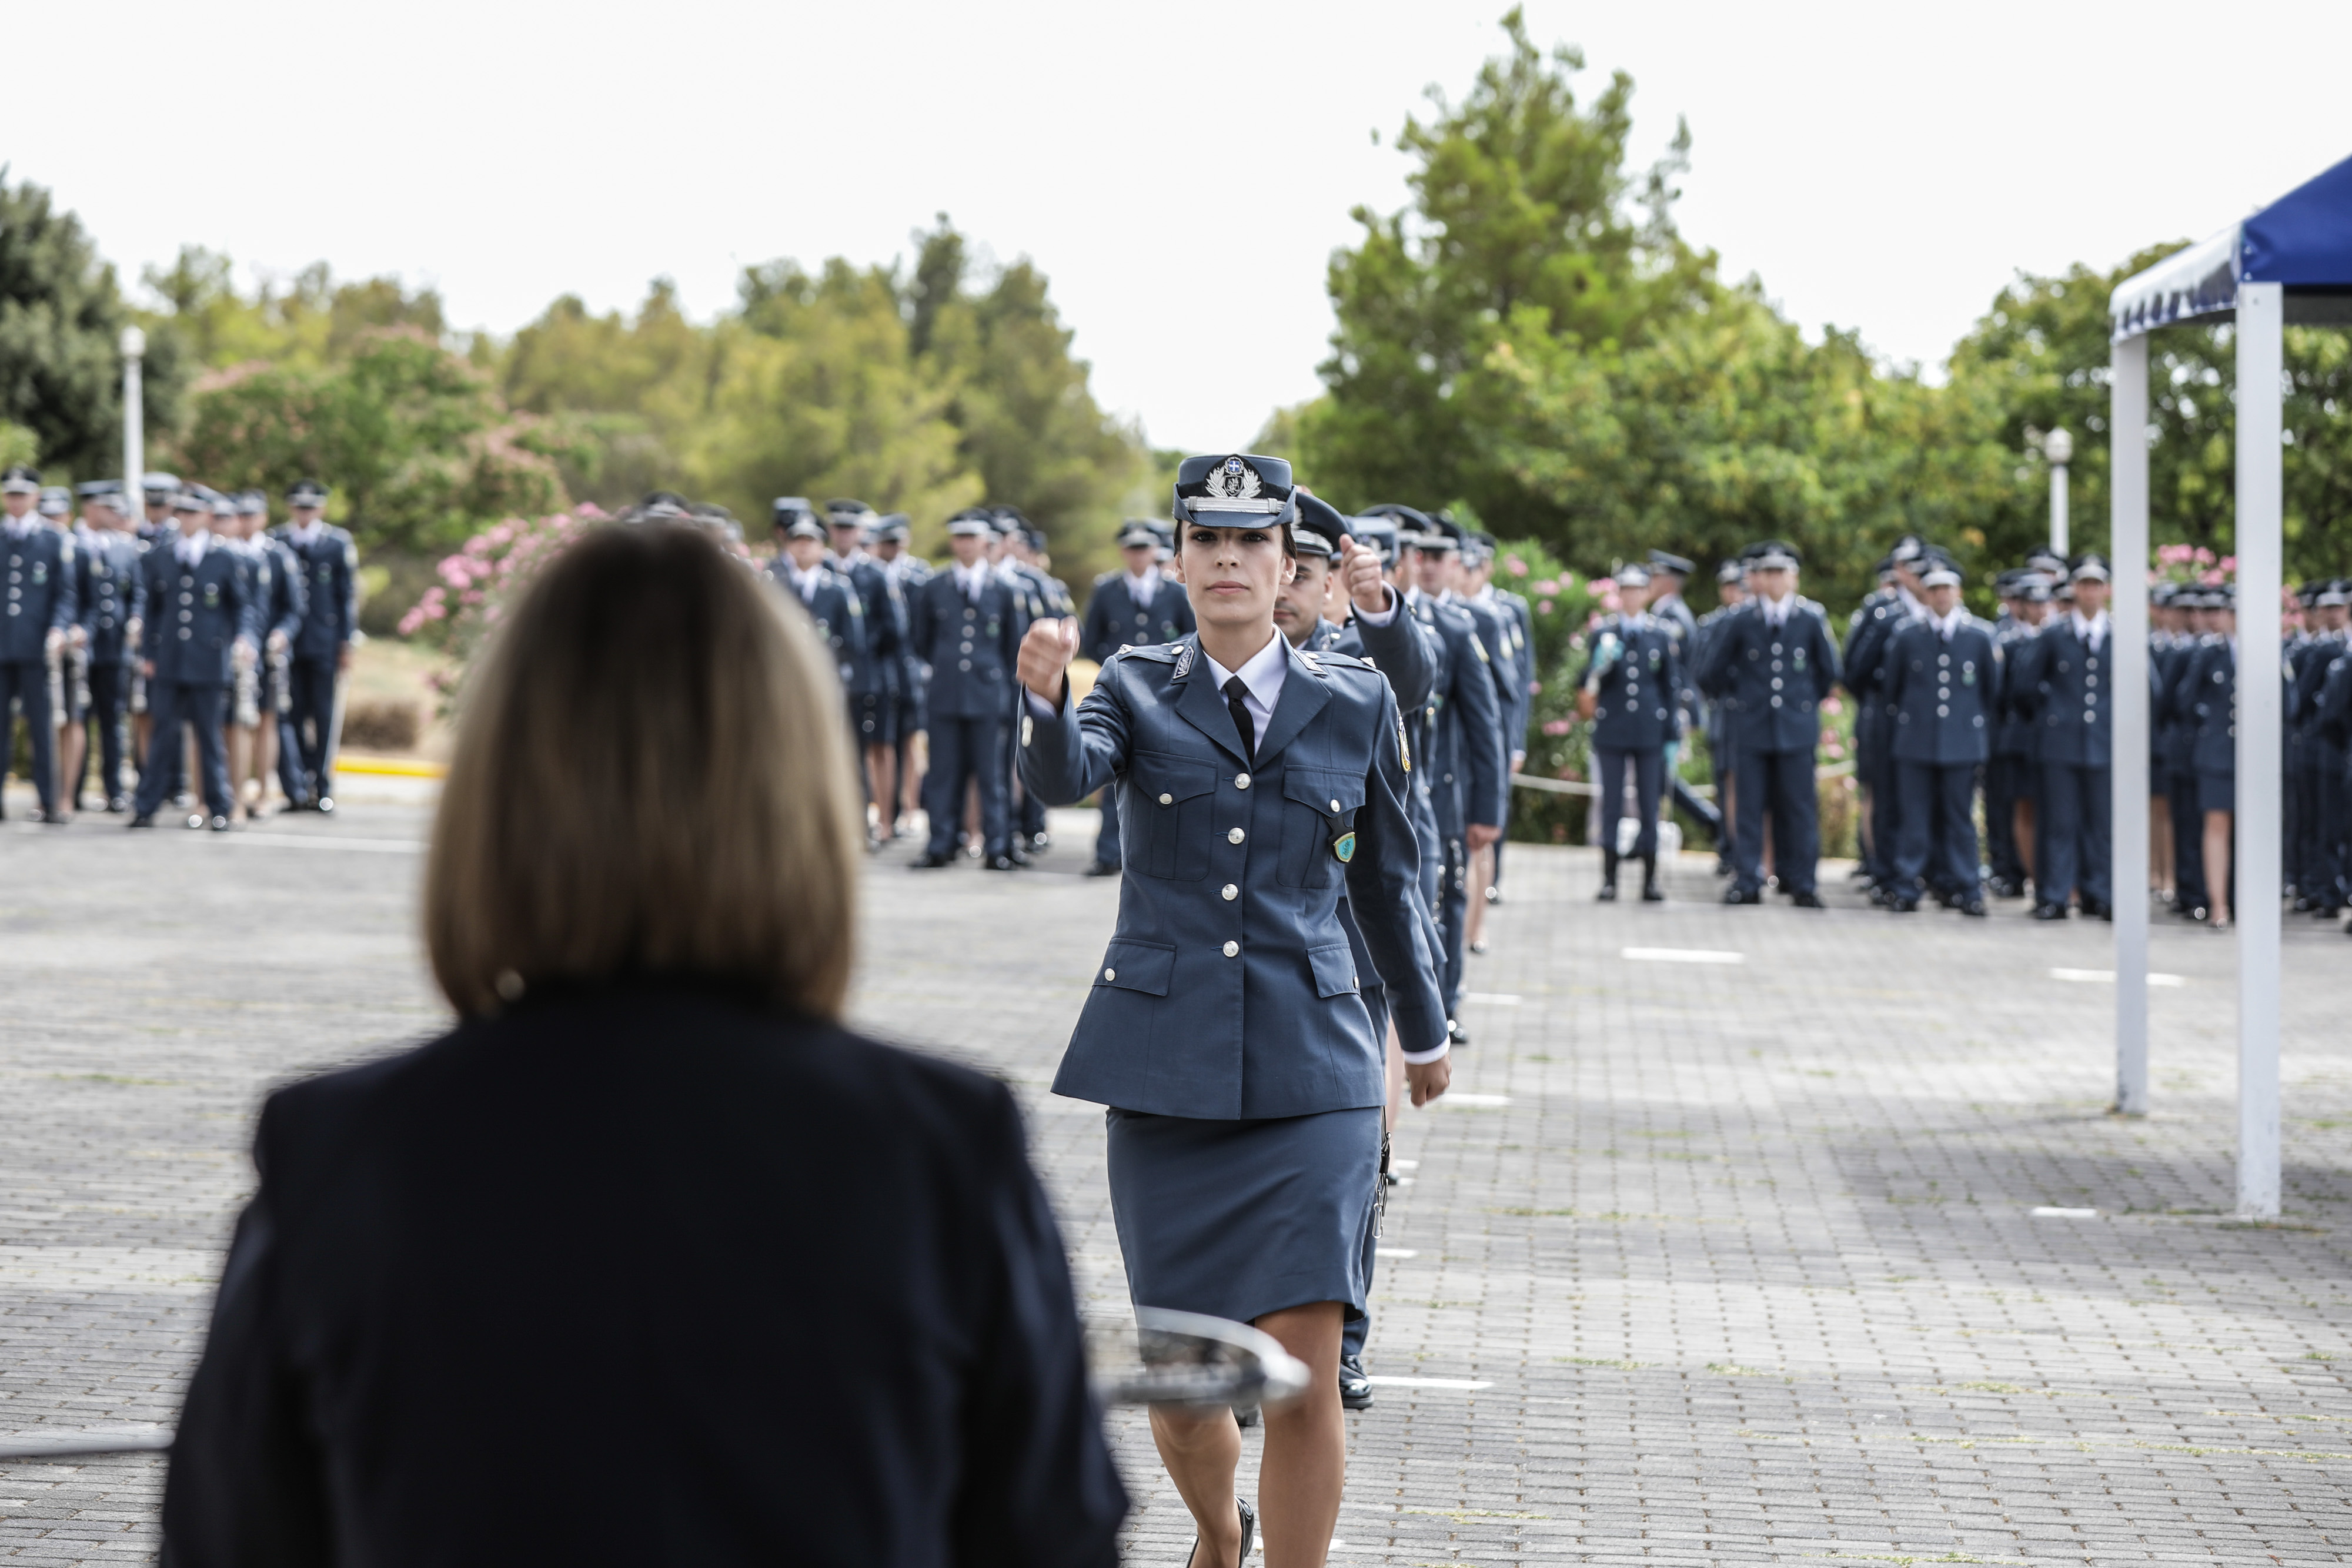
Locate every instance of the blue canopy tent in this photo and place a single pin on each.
(2290, 262)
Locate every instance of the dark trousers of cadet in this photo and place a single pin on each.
(1726, 833)
(965, 750)
(173, 704)
(2332, 805)
(1885, 803)
(1937, 838)
(1781, 784)
(2000, 819)
(1106, 839)
(1453, 916)
(2188, 843)
(1351, 1336)
(1649, 765)
(2072, 826)
(2299, 869)
(25, 682)
(304, 728)
(109, 714)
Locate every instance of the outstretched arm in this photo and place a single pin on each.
(1065, 754)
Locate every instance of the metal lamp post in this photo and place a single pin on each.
(2059, 447)
(134, 417)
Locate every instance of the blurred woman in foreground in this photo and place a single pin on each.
(648, 1261)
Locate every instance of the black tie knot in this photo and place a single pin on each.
(1236, 704)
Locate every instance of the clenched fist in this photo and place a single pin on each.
(1359, 568)
(1045, 654)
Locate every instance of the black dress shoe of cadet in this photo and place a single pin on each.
(1101, 868)
(1808, 899)
(1653, 894)
(1903, 903)
(1355, 1388)
(2049, 911)
(929, 862)
(1973, 907)
(144, 819)
(220, 824)
(1608, 893)
(1744, 895)
(1001, 862)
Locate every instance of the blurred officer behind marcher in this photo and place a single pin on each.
(1628, 691)
(1938, 677)
(157, 492)
(1772, 665)
(803, 571)
(893, 546)
(2012, 762)
(2324, 888)
(2204, 697)
(323, 648)
(1126, 608)
(1886, 612)
(281, 611)
(106, 563)
(201, 628)
(874, 705)
(964, 630)
(897, 1376)
(36, 629)
(2067, 672)
(1730, 592)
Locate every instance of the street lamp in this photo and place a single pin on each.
(134, 417)
(2059, 447)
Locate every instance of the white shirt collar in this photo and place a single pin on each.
(21, 528)
(1263, 673)
(306, 533)
(1143, 586)
(969, 579)
(1946, 626)
(2093, 631)
(805, 583)
(1776, 610)
(191, 546)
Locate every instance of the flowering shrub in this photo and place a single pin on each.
(2192, 564)
(486, 571)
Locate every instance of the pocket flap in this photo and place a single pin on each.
(1335, 969)
(1162, 780)
(1138, 967)
(1324, 791)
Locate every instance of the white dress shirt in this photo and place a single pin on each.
(191, 546)
(1143, 586)
(2094, 631)
(971, 580)
(1946, 626)
(307, 534)
(1776, 610)
(805, 583)
(1263, 675)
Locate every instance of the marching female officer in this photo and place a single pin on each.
(1225, 1030)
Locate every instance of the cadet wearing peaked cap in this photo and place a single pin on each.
(1225, 1029)
(1126, 608)
(201, 628)
(1631, 681)
(39, 615)
(1938, 676)
(893, 542)
(965, 629)
(322, 647)
(1771, 665)
(874, 700)
(1730, 578)
(1873, 625)
(106, 588)
(2066, 672)
(158, 490)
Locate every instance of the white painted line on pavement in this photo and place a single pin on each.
(1683, 955)
(1475, 1102)
(2107, 978)
(1463, 1383)
(1493, 998)
(374, 846)
(1405, 1165)
(2045, 1212)
(1396, 1251)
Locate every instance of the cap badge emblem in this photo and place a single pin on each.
(1236, 481)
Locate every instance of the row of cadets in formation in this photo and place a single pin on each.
(193, 627)
(2318, 672)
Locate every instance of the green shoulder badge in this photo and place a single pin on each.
(1344, 847)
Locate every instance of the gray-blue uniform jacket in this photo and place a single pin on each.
(41, 600)
(1635, 706)
(1942, 695)
(288, 602)
(1399, 650)
(106, 572)
(1467, 777)
(971, 648)
(1228, 990)
(196, 613)
(331, 582)
(840, 617)
(883, 614)
(2012, 713)
(2071, 691)
(1114, 621)
(1771, 682)
(2206, 698)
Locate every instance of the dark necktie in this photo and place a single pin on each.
(1234, 692)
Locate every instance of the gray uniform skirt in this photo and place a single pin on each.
(1237, 1219)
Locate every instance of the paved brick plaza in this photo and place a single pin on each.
(1722, 1263)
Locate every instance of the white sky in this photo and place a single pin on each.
(1182, 172)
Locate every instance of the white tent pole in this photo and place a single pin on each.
(2128, 772)
(2059, 543)
(2261, 351)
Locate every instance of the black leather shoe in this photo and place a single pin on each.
(929, 862)
(1808, 899)
(197, 820)
(1608, 893)
(1653, 894)
(1902, 905)
(1041, 841)
(1974, 908)
(1101, 868)
(1355, 1388)
(1000, 862)
(1494, 895)
(118, 805)
(144, 819)
(1245, 1417)
(2049, 911)
(1743, 895)
(1249, 1520)
(1019, 857)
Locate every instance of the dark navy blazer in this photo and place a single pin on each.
(1468, 761)
(1229, 990)
(107, 583)
(40, 600)
(2072, 691)
(1943, 695)
(1114, 622)
(2207, 699)
(840, 617)
(1636, 699)
(972, 648)
(331, 583)
(196, 614)
(1771, 681)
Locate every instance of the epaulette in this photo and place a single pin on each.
(1154, 653)
(1341, 661)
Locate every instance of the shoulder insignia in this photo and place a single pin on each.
(1480, 649)
(1404, 752)
(1183, 661)
(1150, 651)
(1308, 659)
(1368, 663)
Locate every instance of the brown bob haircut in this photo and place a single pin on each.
(652, 778)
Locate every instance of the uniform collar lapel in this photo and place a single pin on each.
(1303, 697)
(1202, 705)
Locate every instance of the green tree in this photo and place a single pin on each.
(61, 317)
(621, 395)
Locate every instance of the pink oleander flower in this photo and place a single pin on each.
(2204, 556)
(1518, 567)
(1831, 704)
(2228, 563)
(1556, 726)
(1543, 606)
(1545, 585)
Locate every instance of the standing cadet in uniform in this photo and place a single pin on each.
(1523, 642)
(2206, 699)
(322, 651)
(200, 623)
(1938, 676)
(2013, 749)
(1730, 593)
(1628, 691)
(69, 666)
(2067, 673)
(908, 572)
(1226, 1032)
(2332, 612)
(1125, 609)
(1770, 665)
(803, 571)
(874, 705)
(2307, 662)
(106, 585)
(1875, 622)
(40, 617)
(280, 612)
(1465, 757)
(1473, 594)
(963, 629)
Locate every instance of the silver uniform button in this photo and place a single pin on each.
(1232, 949)
(1231, 891)
(1241, 780)
(1110, 974)
(1167, 799)
(963, 664)
(1335, 805)
(1776, 701)
(1235, 837)
(1943, 712)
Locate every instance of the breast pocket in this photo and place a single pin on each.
(1169, 805)
(1318, 825)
